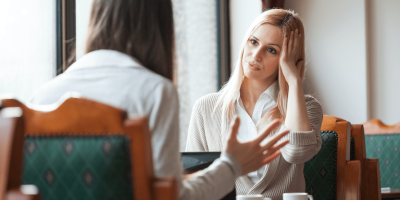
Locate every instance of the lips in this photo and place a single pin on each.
(253, 67)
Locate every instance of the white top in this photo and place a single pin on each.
(117, 79)
(248, 129)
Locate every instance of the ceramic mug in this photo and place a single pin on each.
(297, 196)
(251, 197)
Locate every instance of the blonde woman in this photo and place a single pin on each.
(266, 85)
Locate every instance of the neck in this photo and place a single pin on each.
(251, 90)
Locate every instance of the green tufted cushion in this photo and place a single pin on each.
(320, 171)
(386, 149)
(74, 168)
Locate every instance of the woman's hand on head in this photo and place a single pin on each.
(288, 61)
(252, 155)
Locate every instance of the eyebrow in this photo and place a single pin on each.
(268, 43)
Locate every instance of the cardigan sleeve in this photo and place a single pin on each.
(196, 140)
(303, 145)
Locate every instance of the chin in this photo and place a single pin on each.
(253, 75)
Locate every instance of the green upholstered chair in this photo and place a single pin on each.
(330, 174)
(82, 149)
(383, 142)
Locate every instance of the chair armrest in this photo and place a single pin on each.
(352, 180)
(372, 179)
(18, 194)
(165, 189)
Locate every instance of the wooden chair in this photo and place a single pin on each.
(331, 168)
(109, 153)
(382, 142)
(11, 145)
(370, 177)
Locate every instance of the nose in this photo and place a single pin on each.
(257, 54)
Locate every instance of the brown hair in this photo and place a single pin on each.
(142, 29)
(286, 20)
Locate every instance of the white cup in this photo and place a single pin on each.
(251, 197)
(297, 196)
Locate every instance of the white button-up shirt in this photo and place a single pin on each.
(248, 129)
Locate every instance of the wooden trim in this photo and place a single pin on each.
(11, 150)
(163, 191)
(353, 180)
(143, 172)
(342, 128)
(372, 179)
(16, 194)
(377, 127)
(357, 132)
(66, 33)
(70, 121)
(224, 47)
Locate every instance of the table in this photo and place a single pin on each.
(393, 194)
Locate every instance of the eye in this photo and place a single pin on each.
(271, 50)
(253, 42)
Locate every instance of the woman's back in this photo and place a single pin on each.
(118, 80)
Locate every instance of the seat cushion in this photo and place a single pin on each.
(79, 167)
(320, 171)
(386, 149)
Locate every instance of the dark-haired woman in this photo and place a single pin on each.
(128, 64)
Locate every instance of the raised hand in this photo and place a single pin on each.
(251, 155)
(288, 61)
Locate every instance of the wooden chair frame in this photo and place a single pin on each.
(76, 116)
(377, 127)
(370, 174)
(348, 176)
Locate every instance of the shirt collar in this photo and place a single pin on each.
(271, 91)
(105, 58)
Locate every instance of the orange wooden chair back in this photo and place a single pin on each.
(348, 172)
(78, 115)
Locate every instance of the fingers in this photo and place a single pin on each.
(275, 139)
(296, 42)
(234, 128)
(271, 157)
(284, 46)
(290, 45)
(267, 130)
(275, 147)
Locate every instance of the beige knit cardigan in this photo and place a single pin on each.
(208, 131)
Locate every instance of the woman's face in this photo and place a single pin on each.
(261, 53)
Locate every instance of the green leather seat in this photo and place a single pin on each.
(320, 171)
(72, 168)
(386, 149)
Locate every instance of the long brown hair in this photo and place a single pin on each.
(286, 20)
(142, 29)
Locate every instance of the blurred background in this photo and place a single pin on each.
(353, 49)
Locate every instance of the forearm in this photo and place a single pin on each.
(213, 182)
(296, 115)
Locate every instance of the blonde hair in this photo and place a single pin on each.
(288, 21)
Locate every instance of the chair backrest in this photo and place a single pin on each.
(11, 145)
(382, 142)
(329, 174)
(370, 179)
(85, 149)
